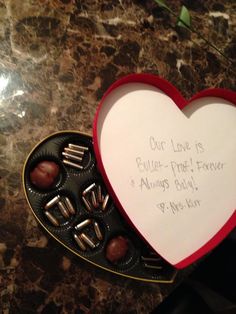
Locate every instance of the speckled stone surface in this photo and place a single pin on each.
(57, 57)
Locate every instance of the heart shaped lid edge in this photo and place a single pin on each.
(181, 102)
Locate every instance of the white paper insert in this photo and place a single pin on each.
(174, 173)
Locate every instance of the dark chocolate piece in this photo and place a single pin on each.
(116, 249)
(44, 175)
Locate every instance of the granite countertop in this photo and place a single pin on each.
(57, 57)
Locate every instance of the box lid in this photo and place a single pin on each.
(169, 163)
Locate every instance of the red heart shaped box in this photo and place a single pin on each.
(181, 102)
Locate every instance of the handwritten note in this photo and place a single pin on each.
(175, 176)
(173, 172)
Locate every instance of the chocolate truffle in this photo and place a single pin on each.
(44, 175)
(116, 249)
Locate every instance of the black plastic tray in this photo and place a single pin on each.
(139, 263)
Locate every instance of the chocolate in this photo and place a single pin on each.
(117, 249)
(44, 175)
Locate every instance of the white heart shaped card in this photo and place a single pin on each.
(169, 163)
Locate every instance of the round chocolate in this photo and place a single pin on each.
(44, 175)
(116, 249)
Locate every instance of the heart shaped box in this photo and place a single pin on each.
(169, 163)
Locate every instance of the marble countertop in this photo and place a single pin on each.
(57, 57)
